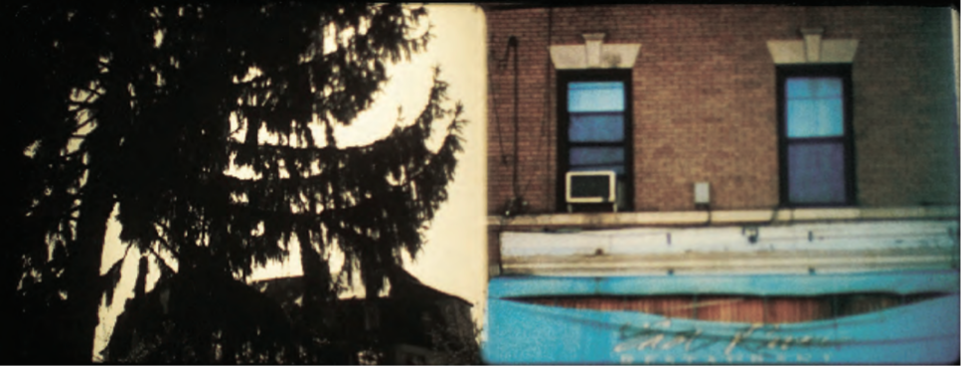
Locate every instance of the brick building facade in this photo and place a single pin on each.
(719, 96)
(705, 104)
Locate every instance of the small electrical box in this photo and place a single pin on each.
(701, 193)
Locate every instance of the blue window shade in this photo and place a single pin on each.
(596, 127)
(812, 87)
(815, 118)
(814, 107)
(586, 97)
(816, 172)
(597, 158)
(596, 155)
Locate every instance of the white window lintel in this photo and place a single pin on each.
(594, 54)
(813, 48)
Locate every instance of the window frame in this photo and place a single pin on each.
(563, 78)
(842, 71)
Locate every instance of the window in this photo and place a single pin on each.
(815, 135)
(595, 129)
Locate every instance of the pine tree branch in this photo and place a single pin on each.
(158, 256)
(167, 233)
(79, 105)
(90, 94)
(90, 119)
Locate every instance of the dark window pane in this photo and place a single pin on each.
(595, 97)
(587, 186)
(816, 172)
(618, 169)
(596, 127)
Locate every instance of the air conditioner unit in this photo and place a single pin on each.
(591, 187)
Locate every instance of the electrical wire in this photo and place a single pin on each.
(492, 92)
(544, 124)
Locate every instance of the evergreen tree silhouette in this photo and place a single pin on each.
(140, 107)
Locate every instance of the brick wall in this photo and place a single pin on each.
(705, 102)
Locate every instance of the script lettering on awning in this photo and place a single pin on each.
(753, 344)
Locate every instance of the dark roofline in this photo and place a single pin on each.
(511, 6)
(556, 5)
(417, 283)
(438, 292)
(486, 7)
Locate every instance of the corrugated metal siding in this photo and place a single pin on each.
(798, 309)
(728, 308)
(675, 306)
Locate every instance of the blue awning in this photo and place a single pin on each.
(899, 282)
(921, 332)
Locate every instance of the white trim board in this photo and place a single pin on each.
(798, 248)
(724, 217)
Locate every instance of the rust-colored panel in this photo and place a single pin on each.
(798, 309)
(641, 304)
(731, 309)
(547, 301)
(866, 303)
(744, 309)
(675, 306)
(611, 303)
(567, 302)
